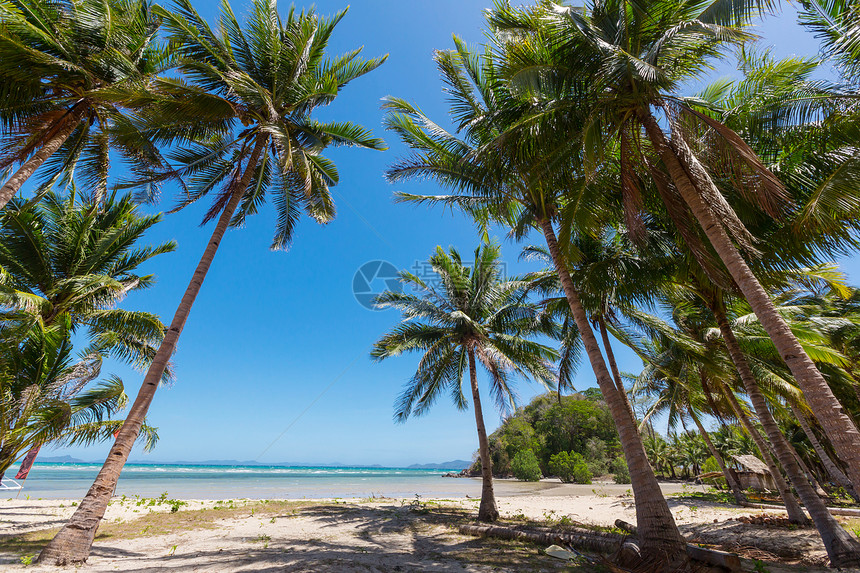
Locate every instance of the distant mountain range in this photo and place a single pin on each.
(452, 465)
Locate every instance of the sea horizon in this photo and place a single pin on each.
(71, 480)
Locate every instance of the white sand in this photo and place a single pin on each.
(359, 535)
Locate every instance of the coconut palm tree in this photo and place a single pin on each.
(66, 262)
(837, 25)
(841, 547)
(46, 396)
(248, 111)
(63, 260)
(522, 183)
(459, 318)
(66, 69)
(623, 61)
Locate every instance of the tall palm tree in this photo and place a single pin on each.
(524, 186)
(837, 24)
(623, 60)
(66, 69)
(250, 104)
(458, 318)
(835, 473)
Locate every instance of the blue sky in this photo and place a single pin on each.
(273, 364)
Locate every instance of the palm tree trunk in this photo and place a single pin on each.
(829, 465)
(658, 534)
(842, 548)
(795, 513)
(57, 136)
(819, 491)
(487, 510)
(610, 356)
(836, 423)
(733, 484)
(72, 544)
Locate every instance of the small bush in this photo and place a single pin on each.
(570, 467)
(525, 466)
(620, 470)
(710, 465)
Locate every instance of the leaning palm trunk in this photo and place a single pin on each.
(488, 510)
(829, 465)
(805, 469)
(795, 513)
(657, 531)
(72, 544)
(57, 136)
(733, 484)
(838, 426)
(842, 548)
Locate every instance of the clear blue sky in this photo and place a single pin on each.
(271, 330)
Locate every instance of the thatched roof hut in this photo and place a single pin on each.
(753, 473)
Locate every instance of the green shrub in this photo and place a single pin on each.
(570, 467)
(525, 466)
(620, 470)
(709, 466)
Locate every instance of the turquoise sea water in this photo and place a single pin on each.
(61, 481)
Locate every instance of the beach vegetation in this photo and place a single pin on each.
(698, 230)
(525, 466)
(570, 427)
(70, 74)
(620, 472)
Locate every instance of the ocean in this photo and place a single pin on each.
(71, 481)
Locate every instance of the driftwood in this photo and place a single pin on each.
(624, 526)
(847, 511)
(596, 541)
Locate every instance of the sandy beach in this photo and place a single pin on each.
(373, 534)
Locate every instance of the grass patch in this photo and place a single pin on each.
(509, 555)
(153, 524)
(713, 496)
(29, 543)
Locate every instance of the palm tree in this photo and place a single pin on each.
(620, 61)
(836, 474)
(251, 99)
(837, 24)
(67, 68)
(66, 262)
(458, 318)
(524, 186)
(842, 548)
(45, 395)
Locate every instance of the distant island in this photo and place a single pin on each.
(452, 465)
